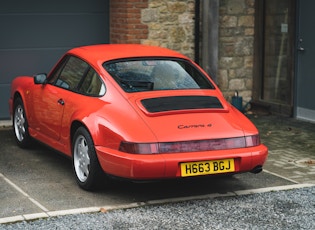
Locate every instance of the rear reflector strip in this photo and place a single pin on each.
(190, 146)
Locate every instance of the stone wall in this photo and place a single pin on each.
(170, 24)
(236, 48)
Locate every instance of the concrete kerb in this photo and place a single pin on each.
(5, 123)
(104, 209)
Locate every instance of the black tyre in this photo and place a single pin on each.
(86, 166)
(20, 124)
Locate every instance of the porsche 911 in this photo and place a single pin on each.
(135, 112)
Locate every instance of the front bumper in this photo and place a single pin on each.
(164, 166)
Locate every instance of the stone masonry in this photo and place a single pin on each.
(170, 23)
(236, 51)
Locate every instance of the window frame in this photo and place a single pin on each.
(259, 100)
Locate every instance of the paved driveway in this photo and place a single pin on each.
(39, 182)
(291, 146)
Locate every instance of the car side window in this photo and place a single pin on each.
(56, 72)
(92, 85)
(72, 73)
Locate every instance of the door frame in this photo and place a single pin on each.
(299, 112)
(258, 72)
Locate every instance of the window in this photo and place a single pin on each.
(92, 84)
(277, 78)
(156, 74)
(74, 74)
(274, 68)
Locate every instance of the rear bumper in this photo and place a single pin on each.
(163, 166)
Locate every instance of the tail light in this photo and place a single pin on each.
(252, 140)
(139, 148)
(190, 146)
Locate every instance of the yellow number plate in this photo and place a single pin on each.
(207, 167)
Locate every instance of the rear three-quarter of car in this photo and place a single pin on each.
(185, 144)
(135, 112)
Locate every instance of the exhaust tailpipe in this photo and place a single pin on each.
(257, 169)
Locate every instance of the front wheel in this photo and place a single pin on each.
(86, 167)
(20, 124)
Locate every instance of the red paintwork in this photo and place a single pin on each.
(119, 116)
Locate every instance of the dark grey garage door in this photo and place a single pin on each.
(35, 33)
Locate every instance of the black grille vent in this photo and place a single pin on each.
(162, 104)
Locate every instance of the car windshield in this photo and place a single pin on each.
(156, 74)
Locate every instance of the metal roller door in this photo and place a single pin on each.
(35, 33)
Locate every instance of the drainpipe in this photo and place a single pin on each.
(210, 37)
(197, 31)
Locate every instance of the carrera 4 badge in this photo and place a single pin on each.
(194, 126)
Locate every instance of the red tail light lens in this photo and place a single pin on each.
(190, 146)
(252, 140)
(139, 148)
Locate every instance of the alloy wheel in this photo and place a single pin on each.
(19, 123)
(81, 158)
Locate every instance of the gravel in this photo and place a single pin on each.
(291, 209)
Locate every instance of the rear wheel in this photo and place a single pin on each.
(85, 163)
(20, 124)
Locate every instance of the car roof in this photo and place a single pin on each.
(106, 52)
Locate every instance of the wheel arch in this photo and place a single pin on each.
(16, 95)
(102, 132)
(20, 87)
(74, 127)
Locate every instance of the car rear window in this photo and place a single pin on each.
(156, 74)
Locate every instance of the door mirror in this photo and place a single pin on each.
(40, 78)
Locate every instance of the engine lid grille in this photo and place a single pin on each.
(175, 103)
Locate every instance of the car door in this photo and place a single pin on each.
(48, 110)
(51, 99)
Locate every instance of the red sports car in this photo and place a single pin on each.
(134, 112)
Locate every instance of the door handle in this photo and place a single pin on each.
(61, 102)
(300, 48)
